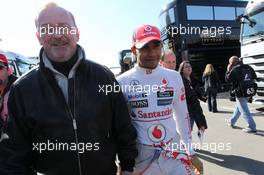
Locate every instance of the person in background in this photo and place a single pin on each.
(61, 119)
(234, 75)
(6, 80)
(211, 85)
(193, 95)
(168, 59)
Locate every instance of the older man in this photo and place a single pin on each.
(62, 121)
(168, 59)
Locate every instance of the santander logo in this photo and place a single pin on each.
(157, 133)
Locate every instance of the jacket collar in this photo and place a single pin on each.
(45, 63)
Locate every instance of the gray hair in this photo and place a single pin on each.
(52, 5)
(167, 52)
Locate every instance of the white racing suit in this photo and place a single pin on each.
(159, 113)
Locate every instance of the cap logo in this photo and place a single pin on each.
(148, 31)
(148, 28)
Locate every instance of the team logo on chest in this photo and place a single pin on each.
(157, 133)
(164, 82)
(165, 85)
(134, 83)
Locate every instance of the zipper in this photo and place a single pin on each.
(70, 114)
(74, 124)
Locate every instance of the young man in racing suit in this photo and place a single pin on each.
(156, 97)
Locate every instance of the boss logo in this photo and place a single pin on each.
(139, 104)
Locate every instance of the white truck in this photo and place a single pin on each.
(252, 42)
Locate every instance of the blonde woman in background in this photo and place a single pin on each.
(211, 84)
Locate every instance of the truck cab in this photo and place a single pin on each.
(252, 42)
(19, 63)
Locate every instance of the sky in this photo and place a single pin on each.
(106, 26)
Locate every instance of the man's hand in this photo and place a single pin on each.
(197, 163)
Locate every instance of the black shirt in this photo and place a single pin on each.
(65, 67)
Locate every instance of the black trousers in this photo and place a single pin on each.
(211, 101)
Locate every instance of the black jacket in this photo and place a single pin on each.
(193, 104)
(211, 81)
(234, 76)
(39, 114)
(195, 85)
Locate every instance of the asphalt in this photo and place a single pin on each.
(228, 151)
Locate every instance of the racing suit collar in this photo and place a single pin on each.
(147, 71)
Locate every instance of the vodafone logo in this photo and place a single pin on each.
(157, 133)
(164, 81)
(148, 28)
